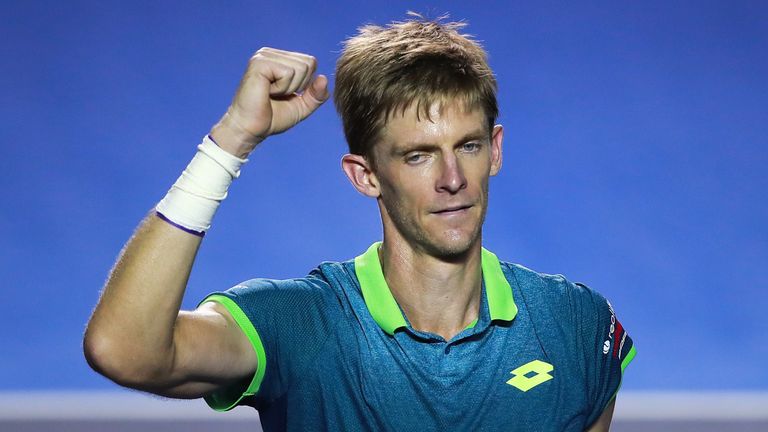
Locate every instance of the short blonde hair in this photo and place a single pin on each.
(385, 70)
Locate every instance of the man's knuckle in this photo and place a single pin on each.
(288, 70)
(258, 57)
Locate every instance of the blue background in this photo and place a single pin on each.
(635, 161)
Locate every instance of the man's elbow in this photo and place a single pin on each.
(103, 356)
(122, 364)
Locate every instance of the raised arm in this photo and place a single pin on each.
(137, 336)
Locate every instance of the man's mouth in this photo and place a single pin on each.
(453, 210)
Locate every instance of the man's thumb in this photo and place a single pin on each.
(317, 91)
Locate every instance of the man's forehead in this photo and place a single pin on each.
(415, 124)
(430, 110)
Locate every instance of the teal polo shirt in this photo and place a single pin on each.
(335, 352)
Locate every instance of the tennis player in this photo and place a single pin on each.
(425, 330)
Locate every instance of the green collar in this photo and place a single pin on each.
(383, 306)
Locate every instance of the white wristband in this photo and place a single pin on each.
(192, 201)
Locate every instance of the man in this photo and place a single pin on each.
(425, 330)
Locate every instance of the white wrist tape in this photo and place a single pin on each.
(193, 199)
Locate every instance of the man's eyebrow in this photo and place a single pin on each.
(401, 149)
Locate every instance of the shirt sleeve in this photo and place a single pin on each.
(608, 349)
(287, 323)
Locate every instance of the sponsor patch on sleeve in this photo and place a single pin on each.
(617, 337)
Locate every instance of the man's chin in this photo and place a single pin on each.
(452, 248)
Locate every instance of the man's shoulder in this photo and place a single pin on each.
(335, 272)
(562, 310)
(554, 283)
(321, 277)
(540, 289)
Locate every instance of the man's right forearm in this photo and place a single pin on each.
(130, 335)
(136, 335)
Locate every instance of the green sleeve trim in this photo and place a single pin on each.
(628, 359)
(229, 397)
(624, 363)
(378, 298)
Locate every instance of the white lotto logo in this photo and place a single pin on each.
(606, 347)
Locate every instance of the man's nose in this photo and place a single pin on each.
(451, 178)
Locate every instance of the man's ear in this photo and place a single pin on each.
(497, 136)
(359, 172)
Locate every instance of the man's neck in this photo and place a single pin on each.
(437, 296)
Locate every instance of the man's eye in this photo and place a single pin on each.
(415, 158)
(470, 147)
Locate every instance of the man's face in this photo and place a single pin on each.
(432, 177)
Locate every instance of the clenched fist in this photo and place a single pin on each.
(277, 91)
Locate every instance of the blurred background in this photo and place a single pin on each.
(635, 161)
